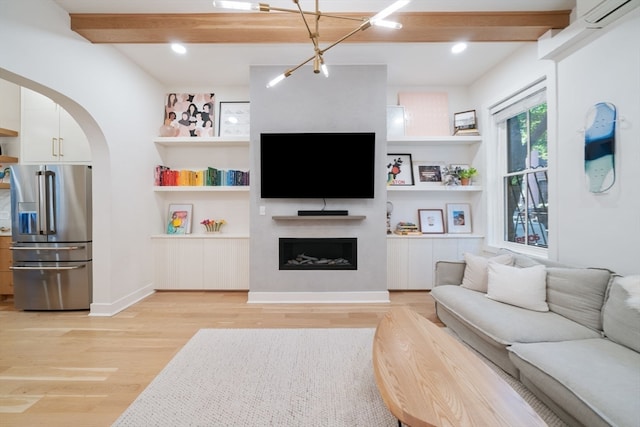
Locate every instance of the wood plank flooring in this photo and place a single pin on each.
(69, 369)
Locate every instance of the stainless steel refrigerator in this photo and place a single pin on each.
(51, 223)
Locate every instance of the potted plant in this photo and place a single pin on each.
(465, 175)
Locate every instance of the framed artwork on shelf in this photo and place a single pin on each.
(458, 218)
(179, 219)
(235, 118)
(431, 221)
(188, 115)
(395, 120)
(399, 169)
(428, 173)
(465, 123)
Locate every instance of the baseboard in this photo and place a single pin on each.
(318, 297)
(106, 310)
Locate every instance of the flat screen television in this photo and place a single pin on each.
(317, 165)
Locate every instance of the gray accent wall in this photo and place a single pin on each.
(352, 99)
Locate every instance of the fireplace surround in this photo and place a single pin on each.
(318, 253)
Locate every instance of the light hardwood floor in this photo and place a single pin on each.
(69, 369)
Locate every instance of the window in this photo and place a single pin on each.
(523, 165)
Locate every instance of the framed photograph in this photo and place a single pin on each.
(431, 221)
(428, 173)
(188, 115)
(399, 169)
(465, 120)
(395, 120)
(235, 118)
(459, 218)
(179, 219)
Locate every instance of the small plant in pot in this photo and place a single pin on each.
(465, 175)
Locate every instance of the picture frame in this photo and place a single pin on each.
(429, 173)
(458, 218)
(179, 218)
(235, 119)
(431, 221)
(395, 121)
(465, 120)
(188, 115)
(399, 169)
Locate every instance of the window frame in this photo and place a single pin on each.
(497, 154)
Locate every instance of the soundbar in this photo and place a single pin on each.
(324, 213)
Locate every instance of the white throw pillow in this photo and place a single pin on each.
(475, 272)
(522, 287)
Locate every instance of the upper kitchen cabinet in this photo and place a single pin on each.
(9, 109)
(49, 134)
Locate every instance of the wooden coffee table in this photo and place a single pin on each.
(427, 378)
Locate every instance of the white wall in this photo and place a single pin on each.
(585, 229)
(117, 106)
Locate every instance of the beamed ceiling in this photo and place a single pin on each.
(274, 27)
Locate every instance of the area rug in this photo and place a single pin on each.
(274, 377)
(265, 377)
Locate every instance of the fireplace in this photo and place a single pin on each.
(318, 253)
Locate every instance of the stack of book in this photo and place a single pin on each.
(165, 176)
(466, 132)
(407, 228)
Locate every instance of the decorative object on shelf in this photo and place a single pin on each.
(389, 211)
(431, 221)
(428, 173)
(179, 220)
(466, 175)
(5, 175)
(212, 225)
(458, 218)
(399, 169)
(465, 123)
(395, 120)
(235, 119)
(314, 34)
(190, 115)
(407, 228)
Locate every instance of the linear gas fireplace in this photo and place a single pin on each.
(318, 253)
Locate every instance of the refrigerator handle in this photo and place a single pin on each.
(46, 202)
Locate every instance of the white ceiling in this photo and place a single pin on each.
(416, 64)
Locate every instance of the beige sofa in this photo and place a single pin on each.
(568, 334)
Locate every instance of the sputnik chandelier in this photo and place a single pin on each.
(317, 58)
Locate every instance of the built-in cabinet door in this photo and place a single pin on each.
(49, 134)
(9, 106)
(178, 263)
(6, 259)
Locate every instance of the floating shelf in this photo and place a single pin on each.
(204, 188)
(8, 132)
(8, 159)
(318, 217)
(435, 140)
(202, 142)
(450, 188)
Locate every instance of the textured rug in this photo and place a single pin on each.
(274, 377)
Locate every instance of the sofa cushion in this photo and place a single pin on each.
(522, 287)
(621, 322)
(603, 375)
(578, 293)
(476, 270)
(504, 323)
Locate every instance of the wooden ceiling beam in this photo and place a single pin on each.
(288, 27)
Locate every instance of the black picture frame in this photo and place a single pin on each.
(399, 168)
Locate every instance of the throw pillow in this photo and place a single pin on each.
(631, 284)
(475, 271)
(522, 287)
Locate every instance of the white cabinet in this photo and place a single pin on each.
(9, 110)
(49, 134)
(198, 262)
(411, 260)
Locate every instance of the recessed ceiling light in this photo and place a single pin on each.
(178, 48)
(458, 47)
